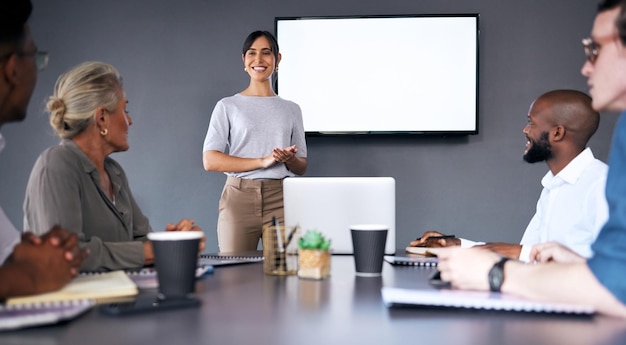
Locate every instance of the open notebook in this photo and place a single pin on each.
(475, 300)
(80, 295)
(103, 288)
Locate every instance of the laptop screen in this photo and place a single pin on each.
(332, 204)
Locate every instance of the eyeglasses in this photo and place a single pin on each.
(592, 49)
(41, 57)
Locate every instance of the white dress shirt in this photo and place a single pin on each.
(572, 207)
(9, 235)
(571, 210)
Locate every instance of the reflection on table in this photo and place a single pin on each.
(241, 305)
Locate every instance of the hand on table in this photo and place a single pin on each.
(553, 251)
(183, 225)
(187, 225)
(426, 241)
(466, 268)
(50, 261)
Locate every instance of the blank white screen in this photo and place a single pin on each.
(393, 74)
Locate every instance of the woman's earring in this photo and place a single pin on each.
(245, 69)
(104, 132)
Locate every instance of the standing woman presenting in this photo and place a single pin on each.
(265, 138)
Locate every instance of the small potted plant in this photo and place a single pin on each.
(314, 256)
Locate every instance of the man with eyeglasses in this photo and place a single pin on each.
(563, 275)
(34, 264)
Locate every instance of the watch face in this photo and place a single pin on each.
(496, 276)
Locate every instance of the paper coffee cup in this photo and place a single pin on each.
(368, 242)
(175, 259)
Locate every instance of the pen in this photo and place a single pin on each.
(293, 231)
(279, 238)
(280, 264)
(437, 237)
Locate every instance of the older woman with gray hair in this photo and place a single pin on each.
(77, 185)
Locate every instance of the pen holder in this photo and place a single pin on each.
(280, 250)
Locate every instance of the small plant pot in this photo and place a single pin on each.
(314, 264)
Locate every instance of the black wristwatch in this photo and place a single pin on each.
(496, 275)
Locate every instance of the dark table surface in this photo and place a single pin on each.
(241, 305)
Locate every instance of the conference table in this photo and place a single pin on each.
(242, 305)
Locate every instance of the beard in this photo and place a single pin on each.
(539, 150)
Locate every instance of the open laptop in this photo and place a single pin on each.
(331, 204)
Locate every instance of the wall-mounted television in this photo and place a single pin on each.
(381, 74)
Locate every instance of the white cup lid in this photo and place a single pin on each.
(369, 227)
(175, 235)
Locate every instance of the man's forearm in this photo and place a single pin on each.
(564, 283)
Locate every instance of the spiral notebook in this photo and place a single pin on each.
(82, 293)
(229, 259)
(37, 314)
(412, 260)
(146, 278)
(393, 297)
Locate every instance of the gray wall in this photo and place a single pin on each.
(178, 58)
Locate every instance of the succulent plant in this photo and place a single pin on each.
(314, 239)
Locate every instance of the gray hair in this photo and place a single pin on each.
(78, 93)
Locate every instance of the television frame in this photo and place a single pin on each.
(418, 131)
